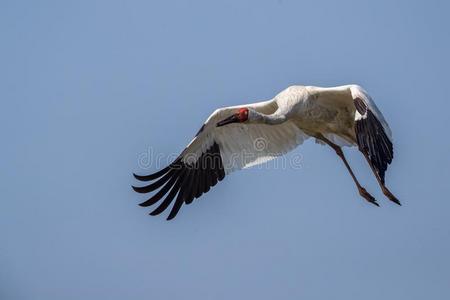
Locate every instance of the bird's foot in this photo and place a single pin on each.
(367, 196)
(390, 196)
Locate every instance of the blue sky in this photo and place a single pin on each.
(87, 87)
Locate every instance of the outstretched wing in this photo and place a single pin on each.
(373, 134)
(215, 152)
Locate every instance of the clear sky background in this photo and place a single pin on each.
(87, 87)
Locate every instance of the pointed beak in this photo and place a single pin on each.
(231, 119)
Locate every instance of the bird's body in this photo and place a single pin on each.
(241, 136)
(317, 110)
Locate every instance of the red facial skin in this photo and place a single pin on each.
(243, 114)
(239, 117)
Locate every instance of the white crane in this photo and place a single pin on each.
(228, 140)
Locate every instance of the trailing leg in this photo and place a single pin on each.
(362, 191)
(383, 187)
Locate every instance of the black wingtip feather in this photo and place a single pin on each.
(141, 177)
(157, 184)
(139, 189)
(174, 165)
(155, 198)
(372, 139)
(184, 181)
(181, 194)
(151, 176)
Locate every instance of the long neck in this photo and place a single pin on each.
(272, 119)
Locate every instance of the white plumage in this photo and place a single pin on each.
(242, 136)
(236, 140)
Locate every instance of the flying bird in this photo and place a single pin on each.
(238, 137)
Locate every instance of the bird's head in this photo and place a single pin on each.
(240, 116)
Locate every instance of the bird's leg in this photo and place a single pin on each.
(362, 190)
(385, 190)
